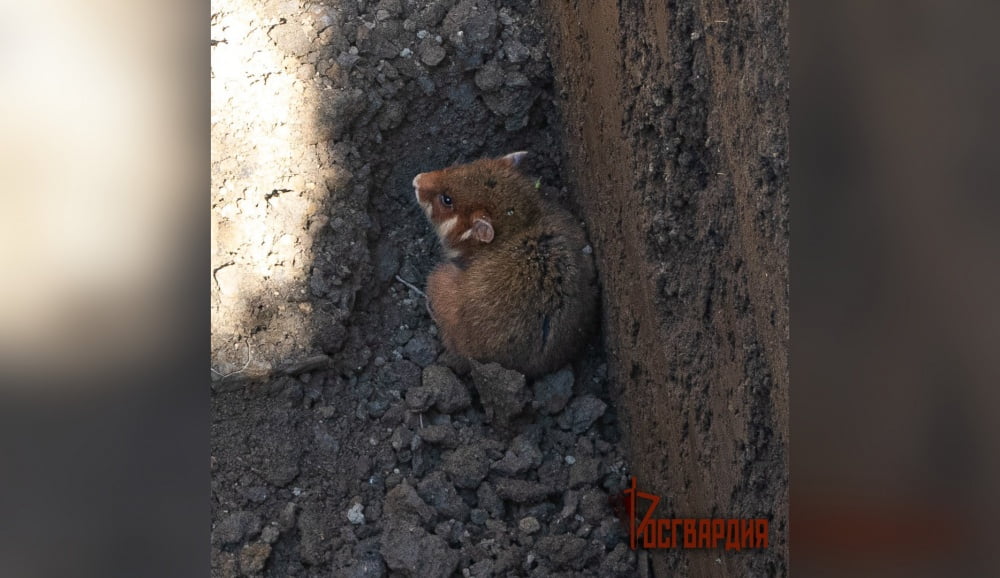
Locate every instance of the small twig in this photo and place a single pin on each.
(427, 300)
(411, 286)
(240, 370)
(421, 421)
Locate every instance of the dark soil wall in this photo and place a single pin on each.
(676, 143)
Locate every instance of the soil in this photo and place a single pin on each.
(688, 213)
(345, 441)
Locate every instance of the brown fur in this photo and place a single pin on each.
(525, 298)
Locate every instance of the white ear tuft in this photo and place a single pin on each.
(514, 159)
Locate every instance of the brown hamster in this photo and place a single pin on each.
(518, 285)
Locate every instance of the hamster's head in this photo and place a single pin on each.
(476, 205)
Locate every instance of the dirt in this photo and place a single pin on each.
(688, 212)
(345, 441)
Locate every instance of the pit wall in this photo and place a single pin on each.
(675, 122)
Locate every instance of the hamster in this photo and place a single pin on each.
(518, 284)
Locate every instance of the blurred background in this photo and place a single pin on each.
(895, 327)
(103, 305)
(104, 312)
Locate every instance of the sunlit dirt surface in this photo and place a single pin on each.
(269, 185)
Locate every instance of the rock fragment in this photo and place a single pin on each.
(440, 494)
(466, 465)
(235, 527)
(356, 514)
(523, 455)
(553, 391)
(582, 413)
(529, 525)
(403, 503)
(432, 54)
(421, 349)
(412, 552)
(450, 395)
(502, 391)
(566, 550)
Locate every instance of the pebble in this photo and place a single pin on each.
(433, 55)
(529, 525)
(270, 534)
(355, 514)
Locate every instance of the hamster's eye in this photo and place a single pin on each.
(446, 200)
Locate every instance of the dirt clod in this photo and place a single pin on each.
(370, 565)
(522, 455)
(501, 390)
(565, 551)
(411, 551)
(233, 528)
(529, 525)
(553, 391)
(403, 503)
(467, 465)
(254, 556)
(422, 349)
(449, 394)
(439, 493)
(523, 491)
(581, 413)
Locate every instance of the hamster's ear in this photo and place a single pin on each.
(482, 230)
(514, 159)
